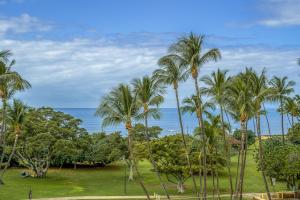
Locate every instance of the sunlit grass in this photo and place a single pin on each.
(110, 181)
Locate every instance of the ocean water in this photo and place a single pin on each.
(168, 122)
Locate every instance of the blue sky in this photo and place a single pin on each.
(74, 52)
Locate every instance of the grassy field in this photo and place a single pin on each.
(110, 181)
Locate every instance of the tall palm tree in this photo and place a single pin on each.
(149, 96)
(189, 49)
(172, 72)
(260, 92)
(10, 83)
(216, 86)
(16, 117)
(280, 89)
(240, 107)
(120, 107)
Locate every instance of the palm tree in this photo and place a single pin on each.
(240, 107)
(149, 96)
(10, 83)
(172, 72)
(118, 107)
(216, 87)
(280, 89)
(189, 49)
(189, 106)
(291, 108)
(260, 93)
(16, 117)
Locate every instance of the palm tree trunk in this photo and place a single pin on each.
(151, 157)
(242, 161)
(185, 145)
(130, 144)
(201, 126)
(282, 127)
(261, 155)
(10, 156)
(226, 148)
(2, 133)
(267, 119)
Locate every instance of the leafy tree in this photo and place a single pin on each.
(190, 49)
(169, 154)
(250, 136)
(282, 161)
(294, 134)
(139, 132)
(47, 136)
(105, 149)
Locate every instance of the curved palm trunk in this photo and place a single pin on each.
(282, 127)
(238, 190)
(10, 156)
(201, 126)
(267, 119)
(226, 148)
(130, 145)
(2, 134)
(185, 145)
(261, 158)
(151, 158)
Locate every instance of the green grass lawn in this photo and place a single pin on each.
(110, 181)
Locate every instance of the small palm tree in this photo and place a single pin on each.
(10, 83)
(172, 72)
(149, 96)
(16, 117)
(190, 50)
(189, 106)
(216, 87)
(120, 107)
(281, 88)
(290, 107)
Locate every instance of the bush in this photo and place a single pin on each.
(294, 134)
(281, 161)
(250, 136)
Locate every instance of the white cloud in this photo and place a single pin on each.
(78, 72)
(22, 24)
(281, 13)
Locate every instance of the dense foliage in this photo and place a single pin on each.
(250, 136)
(294, 134)
(281, 161)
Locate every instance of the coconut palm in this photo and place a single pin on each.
(240, 107)
(290, 107)
(190, 50)
(281, 88)
(189, 106)
(16, 116)
(216, 86)
(172, 72)
(260, 92)
(120, 107)
(10, 83)
(149, 96)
